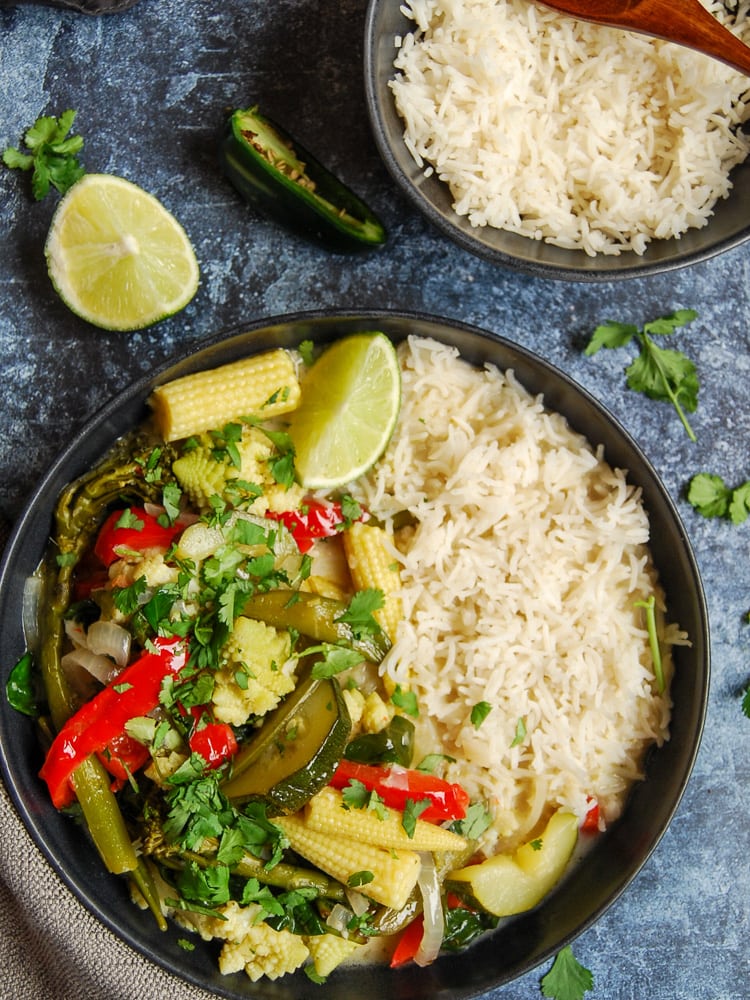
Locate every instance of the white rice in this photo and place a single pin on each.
(584, 136)
(519, 589)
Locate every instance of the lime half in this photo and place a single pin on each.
(350, 403)
(117, 257)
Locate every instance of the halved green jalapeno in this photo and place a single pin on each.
(272, 171)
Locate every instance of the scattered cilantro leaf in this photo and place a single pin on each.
(336, 659)
(711, 497)
(406, 701)
(359, 878)
(412, 811)
(477, 819)
(746, 702)
(306, 349)
(430, 763)
(479, 713)
(520, 734)
(657, 372)
(359, 614)
(567, 979)
(52, 157)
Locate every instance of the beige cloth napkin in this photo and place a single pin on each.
(51, 947)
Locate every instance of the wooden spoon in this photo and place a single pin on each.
(686, 22)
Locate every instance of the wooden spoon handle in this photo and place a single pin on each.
(686, 22)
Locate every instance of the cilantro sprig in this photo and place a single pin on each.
(659, 373)
(567, 979)
(52, 155)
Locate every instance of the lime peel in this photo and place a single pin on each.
(350, 404)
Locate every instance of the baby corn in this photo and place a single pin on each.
(326, 813)
(262, 386)
(394, 873)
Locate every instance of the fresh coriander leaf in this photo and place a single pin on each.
(536, 845)
(185, 944)
(479, 713)
(335, 661)
(126, 599)
(740, 504)
(171, 495)
(520, 735)
(359, 614)
(355, 795)
(610, 335)
(53, 156)
(665, 325)
(660, 374)
(129, 520)
(21, 687)
(406, 701)
(359, 878)
(746, 702)
(567, 979)
(122, 688)
(432, 762)
(412, 811)
(709, 495)
(477, 820)
(666, 376)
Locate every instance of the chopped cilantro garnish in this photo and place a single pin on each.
(479, 713)
(52, 156)
(520, 734)
(406, 701)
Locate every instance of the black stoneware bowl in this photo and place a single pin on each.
(729, 226)
(519, 944)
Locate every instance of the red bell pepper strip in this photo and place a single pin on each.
(135, 691)
(396, 785)
(215, 742)
(591, 820)
(408, 943)
(123, 756)
(132, 530)
(314, 520)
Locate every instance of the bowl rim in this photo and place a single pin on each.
(94, 891)
(601, 268)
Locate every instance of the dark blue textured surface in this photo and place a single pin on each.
(150, 87)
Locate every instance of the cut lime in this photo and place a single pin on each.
(117, 257)
(350, 402)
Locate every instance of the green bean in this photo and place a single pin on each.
(79, 511)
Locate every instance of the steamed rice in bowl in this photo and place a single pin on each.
(522, 576)
(582, 136)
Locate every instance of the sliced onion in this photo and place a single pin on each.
(76, 633)
(432, 912)
(109, 639)
(359, 903)
(32, 590)
(100, 667)
(339, 919)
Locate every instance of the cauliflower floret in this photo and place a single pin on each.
(264, 952)
(149, 564)
(376, 714)
(202, 473)
(355, 704)
(260, 656)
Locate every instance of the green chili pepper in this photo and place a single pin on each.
(314, 616)
(21, 689)
(272, 171)
(392, 745)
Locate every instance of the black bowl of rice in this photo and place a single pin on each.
(557, 147)
(540, 522)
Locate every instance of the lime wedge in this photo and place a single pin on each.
(350, 403)
(117, 257)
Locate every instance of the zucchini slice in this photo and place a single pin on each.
(295, 751)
